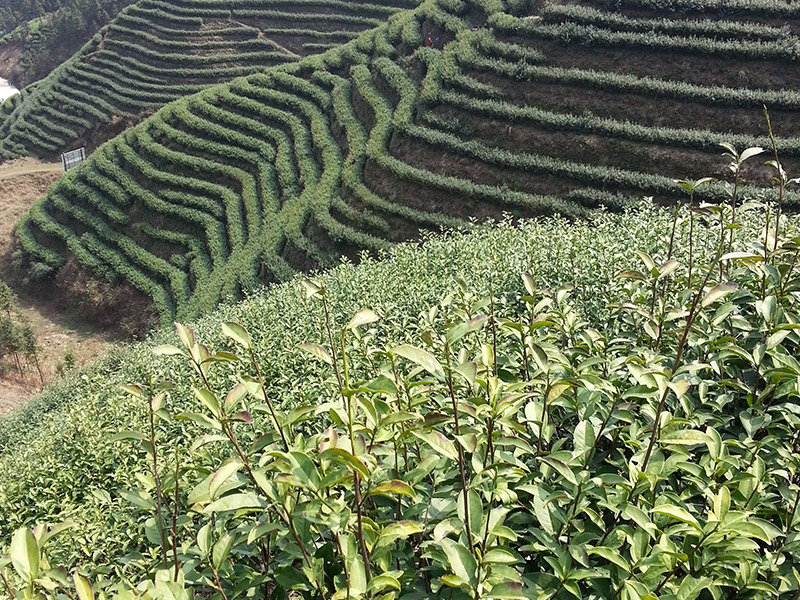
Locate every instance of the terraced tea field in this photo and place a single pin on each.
(455, 110)
(155, 52)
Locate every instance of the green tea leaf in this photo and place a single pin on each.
(318, 351)
(345, 458)
(456, 332)
(236, 502)
(499, 556)
(82, 586)
(424, 359)
(461, 561)
(612, 556)
(676, 512)
(583, 439)
(238, 334)
(507, 590)
(222, 475)
(718, 292)
(221, 550)
(382, 582)
(24, 553)
(394, 487)
(684, 437)
(561, 468)
(398, 531)
(209, 400)
(186, 335)
(361, 318)
(438, 442)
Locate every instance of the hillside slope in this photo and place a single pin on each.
(154, 52)
(457, 110)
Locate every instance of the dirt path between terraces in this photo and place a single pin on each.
(26, 166)
(22, 182)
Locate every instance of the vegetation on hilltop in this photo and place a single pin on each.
(155, 52)
(475, 434)
(455, 110)
(43, 34)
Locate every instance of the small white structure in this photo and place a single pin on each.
(73, 158)
(6, 90)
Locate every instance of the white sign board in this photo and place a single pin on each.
(73, 158)
(6, 90)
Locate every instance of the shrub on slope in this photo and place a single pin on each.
(571, 490)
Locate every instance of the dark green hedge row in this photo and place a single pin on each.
(786, 49)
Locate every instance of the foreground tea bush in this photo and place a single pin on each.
(523, 448)
(604, 409)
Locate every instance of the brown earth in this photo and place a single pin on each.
(10, 55)
(21, 183)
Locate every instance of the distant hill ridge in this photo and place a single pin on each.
(455, 110)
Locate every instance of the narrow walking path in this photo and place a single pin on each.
(26, 166)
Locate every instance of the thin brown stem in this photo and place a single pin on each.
(678, 357)
(792, 513)
(175, 513)
(278, 425)
(691, 236)
(362, 544)
(8, 586)
(688, 559)
(461, 461)
(781, 182)
(161, 531)
(674, 227)
(265, 560)
(66, 592)
(217, 582)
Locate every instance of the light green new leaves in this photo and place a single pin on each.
(421, 357)
(462, 563)
(676, 512)
(82, 586)
(583, 439)
(438, 442)
(222, 475)
(238, 334)
(362, 317)
(398, 531)
(25, 554)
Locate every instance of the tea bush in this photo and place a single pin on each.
(603, 409)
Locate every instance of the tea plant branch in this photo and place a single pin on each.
(265, 559)
(348, 402)
(781, 182)
(792, 513)
(679, 563)
(267, 399)
(574, 502)
(161, 531)
(678, 356)
(461, 462)
(175, 512)
(5, 582)
(228, 431)
(66, 592)
(787, 278)
(217, 583)
(544, 415)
